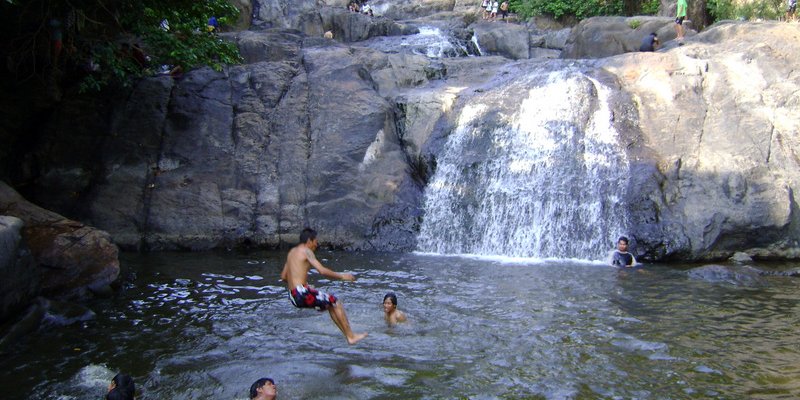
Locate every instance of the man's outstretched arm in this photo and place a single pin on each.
(327, 272)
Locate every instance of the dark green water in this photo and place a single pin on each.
(205, 326)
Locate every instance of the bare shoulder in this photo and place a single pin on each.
(309, 254)
(401, 316)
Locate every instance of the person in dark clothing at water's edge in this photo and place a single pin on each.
(650, 43)
(620, 257)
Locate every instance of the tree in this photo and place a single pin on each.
(109, 42)
(581, 9)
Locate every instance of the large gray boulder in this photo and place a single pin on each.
(348, 26)
(74, 260)
(269, 44)
(409, 9)
(508, 40)
(715, 168)
(599, 37)
(313, 18)
(19, 278)
(245, 8)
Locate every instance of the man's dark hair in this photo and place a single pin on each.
(124, 388)
(391, 296)
(257, 384)
(623, 239)
(653, 34)
(307, 234)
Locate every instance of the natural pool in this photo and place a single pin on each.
(206, 325)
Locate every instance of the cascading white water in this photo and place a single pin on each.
(431, 42)
(474, 40)
(543, 177)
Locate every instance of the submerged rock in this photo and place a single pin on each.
(741, 258)
(737, 276)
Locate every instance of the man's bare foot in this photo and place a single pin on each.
(356, 337)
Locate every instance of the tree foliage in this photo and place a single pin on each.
(581, 9)
(113, 41)
(757, 9)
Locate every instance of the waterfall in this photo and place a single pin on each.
(533, 169)
(430, 41)
(474, 40)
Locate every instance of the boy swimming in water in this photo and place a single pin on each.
(391, 314)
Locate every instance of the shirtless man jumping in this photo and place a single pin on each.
(298, 262)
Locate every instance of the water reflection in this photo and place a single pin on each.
(191, 326)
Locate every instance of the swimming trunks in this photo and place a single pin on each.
(304, 296)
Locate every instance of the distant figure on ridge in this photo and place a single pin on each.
(791, 8)
(650, 43)
(504, 10)
(263, 389)
(679, 18)
(298, 263)
(391, 314)
(620, 257)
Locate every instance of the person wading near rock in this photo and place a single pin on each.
(679, 18)
(620, 257)
(295, 272)
(504, 10)
(791, 7)
(486, 7)
(650, 43)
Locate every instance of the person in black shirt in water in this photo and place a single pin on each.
(121, 388)
(650, 43)
(620, 257)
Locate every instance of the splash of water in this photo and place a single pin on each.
(431, 42)
(541, 178)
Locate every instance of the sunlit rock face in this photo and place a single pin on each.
(349, 138)
(716, 116)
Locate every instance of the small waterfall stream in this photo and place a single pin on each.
(431, 41)
(543, 177)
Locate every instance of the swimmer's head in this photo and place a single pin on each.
(121, 387)
(622, 243)
(391, 296)
(307, 234)
(263, 384)
(389, 302)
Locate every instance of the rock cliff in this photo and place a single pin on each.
(342, 137)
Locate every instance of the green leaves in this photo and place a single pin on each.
(758, 9)
(580, 9)
(113, 42)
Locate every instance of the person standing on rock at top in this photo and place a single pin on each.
(679, 18)
(504, 10)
